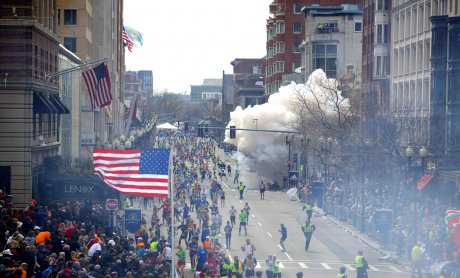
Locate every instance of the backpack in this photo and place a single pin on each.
(47, 271)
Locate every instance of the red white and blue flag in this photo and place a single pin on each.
(134, 172)
(97, 81)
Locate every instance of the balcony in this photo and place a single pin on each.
(326, 28)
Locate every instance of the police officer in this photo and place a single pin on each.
(276, 268)
(241, 188)
(341, 274)
(361, 265)
(308, 230)
(309, 210)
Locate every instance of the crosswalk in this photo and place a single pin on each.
(314, 265)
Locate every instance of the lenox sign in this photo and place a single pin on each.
(79, 189)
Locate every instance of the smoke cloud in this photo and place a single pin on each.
(267, 151)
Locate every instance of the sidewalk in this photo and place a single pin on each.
(386, 255)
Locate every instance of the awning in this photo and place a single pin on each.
(58, 104)
(42, 105)
(423, 181)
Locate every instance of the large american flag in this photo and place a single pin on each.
(134, 172)
(127, 40)
(97, 81)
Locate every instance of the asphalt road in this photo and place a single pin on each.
(330, 248)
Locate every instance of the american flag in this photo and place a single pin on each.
(134, 172)
(129, 43)
(97, 81)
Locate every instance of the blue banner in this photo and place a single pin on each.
(132, 220)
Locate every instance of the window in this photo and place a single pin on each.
(358, 26)
(381, 65)
(279, 47)
(297, 28)
(280, 27)
(327, 27)
(325, 57)
(297, 8)
(70, 17)
(279, 67)
(256, 70)
(382, 5)
(296, 47)
(59, 17)
(71, 44)
(295, 65)
(382, 33)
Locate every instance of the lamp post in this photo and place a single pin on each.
(423, 153)
(325, 148)
(409, 154)
(289, 142)
(367, 145)
(257, 158)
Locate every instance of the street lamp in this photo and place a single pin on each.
(423, 153)
(257, 157)
(367, 145)
(409, 154)
(325, 148)
(289, 142)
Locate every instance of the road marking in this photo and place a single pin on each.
(394, 268)
(269, 234)
(258, 265)
(260, 224)
(253, 216)
(241, 201)
(373, 268)
(326, 266)
(281, 265)
(287, 255)
(349, 267)
(302, 265)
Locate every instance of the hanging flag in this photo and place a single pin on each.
(134, 35)
(98, 83)
(134, 172)
(127, 41)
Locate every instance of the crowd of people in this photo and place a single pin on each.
(416, 219)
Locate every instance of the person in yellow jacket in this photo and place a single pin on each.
(228, 267)
(341, 274)
(276, 268)
(361, 265)
(238, 266)
(416, 257)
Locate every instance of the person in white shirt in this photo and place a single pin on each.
(95, 247)
(167, 252)
(248, 248)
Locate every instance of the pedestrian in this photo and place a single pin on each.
(262, 190)
(341, 274)
(241, 188)
(249, 266)
(283, 232)
(309, 210)
(308, 230)
(180, 260)
(269, 263)
(222, 197)
(229, 170)
(416, 256)
(233, 213)
(236, 177)
(246, 209)
(361, 265)
(243, 222)
(228, 234)
(248, 248)
(276, 268)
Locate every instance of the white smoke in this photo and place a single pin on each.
(268, 150)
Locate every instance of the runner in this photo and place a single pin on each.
(222, 198)
(283, 232)
(233, 213)
(243, 220)
(228, 234)
(246, 209)
(248, 248)
(180, 253)
(193, 248)
(262, 190)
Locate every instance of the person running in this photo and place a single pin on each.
(283, 232)
(222, 198)
(341, 274)
(308, 230)
(262, 190)
(309, 210)
(229, 170)
(233, 213)
(248, 248)
(246, 209)
(361, 265)
(180, 253)
(243, 222)
(236, 177)
(228, 234)
(241, 188)
(193, 248)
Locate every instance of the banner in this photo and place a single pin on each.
(132, 220)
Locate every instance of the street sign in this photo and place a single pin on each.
(111, 204)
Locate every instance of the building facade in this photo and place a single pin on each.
(375, 73)
(333, 40)
(285, 34)
(201, 93)
(248, 82)
(31, 107)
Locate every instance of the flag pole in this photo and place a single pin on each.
(171, 200)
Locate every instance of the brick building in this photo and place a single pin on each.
(248, 82)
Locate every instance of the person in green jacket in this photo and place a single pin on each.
(309, 210)
(228, 267)
(243, 222)
(341, 274)
(276, 268)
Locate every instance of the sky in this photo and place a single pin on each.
(188, 41)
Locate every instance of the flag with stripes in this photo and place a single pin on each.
(97, 81)
(128, 42)
(134, 172)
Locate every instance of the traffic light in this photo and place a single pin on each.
(232, 132)
(185, 126)
(200, 131)
(206, 128)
